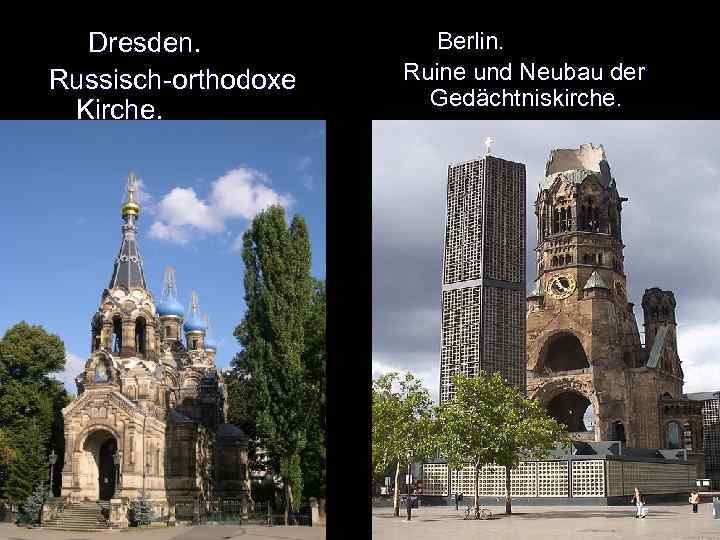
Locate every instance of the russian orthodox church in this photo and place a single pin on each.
(150, 414)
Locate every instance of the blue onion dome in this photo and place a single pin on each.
(210, 344)
(194, 322)
(170, 306)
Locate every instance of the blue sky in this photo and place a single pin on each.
(63, 184)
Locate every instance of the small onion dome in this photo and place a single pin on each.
(170, 306)
(194, 323)
(210, 344)
(131, 208)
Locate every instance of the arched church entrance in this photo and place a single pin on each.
(571, 409)
(100, 447)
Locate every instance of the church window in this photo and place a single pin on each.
(101, 372)
(117, 335)
(617, 431)
(673, 435)
(140, 330)
(194, 344)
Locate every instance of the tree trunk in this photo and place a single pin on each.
(396, 494)
(477, 487)
(508, 501)
(288, 501)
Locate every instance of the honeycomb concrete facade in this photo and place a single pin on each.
(483, 291)
(583, 344)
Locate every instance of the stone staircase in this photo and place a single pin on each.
(80, 516)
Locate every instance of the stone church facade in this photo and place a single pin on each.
(150, 414)
(583, 344)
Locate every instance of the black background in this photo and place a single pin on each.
(349, 77)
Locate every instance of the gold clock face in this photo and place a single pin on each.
(560, 286)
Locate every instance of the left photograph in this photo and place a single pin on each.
(162, 324)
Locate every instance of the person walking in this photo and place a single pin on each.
(639, 500)
(694, 500)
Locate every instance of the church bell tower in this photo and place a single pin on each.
(581, 330)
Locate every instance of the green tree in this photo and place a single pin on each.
(402, 425)
(30, 406)
(7, 455)
(30, 353)
(29, 467)
(489, 422)
(313, 456)
(242, 409)
(278, 290)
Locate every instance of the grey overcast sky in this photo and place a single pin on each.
(670, 171)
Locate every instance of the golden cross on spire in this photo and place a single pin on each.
(194, 301)
(130, 206)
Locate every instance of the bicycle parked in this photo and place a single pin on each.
(479, 512)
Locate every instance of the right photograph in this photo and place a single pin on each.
(545, 319)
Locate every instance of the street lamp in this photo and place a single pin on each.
(52, 459)
(117, 459)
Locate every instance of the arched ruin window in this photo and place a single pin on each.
(117, 335)
(140, 330)
(673, 435)
(566, 353)
(570, 408)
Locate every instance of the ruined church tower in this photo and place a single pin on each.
(586, 362)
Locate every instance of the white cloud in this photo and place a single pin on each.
(697, 347)
(308, 181)
(239, 194)
(429, 375)
(73, 366)
(172, 233)
(242, 193)
(303, 166)
(182, 207)
(147, 202)
(237, 244)
(304, 163)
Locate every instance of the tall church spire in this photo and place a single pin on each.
(128, 270)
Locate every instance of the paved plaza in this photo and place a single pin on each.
(9, 531)
(672, 522)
